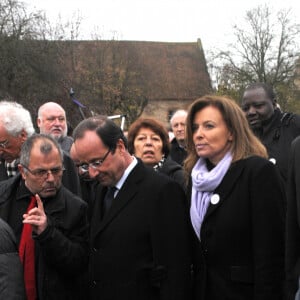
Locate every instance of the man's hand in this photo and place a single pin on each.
(36, 217)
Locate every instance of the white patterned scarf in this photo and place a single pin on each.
(204, 182)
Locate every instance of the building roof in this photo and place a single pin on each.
(166, 70)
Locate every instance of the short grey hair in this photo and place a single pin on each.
(179, 112)
(15, 118)
(47, 145)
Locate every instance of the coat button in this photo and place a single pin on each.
(215, 198)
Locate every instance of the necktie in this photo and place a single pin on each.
(109, 197)
(27, 256)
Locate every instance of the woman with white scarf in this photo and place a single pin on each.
(236, 206)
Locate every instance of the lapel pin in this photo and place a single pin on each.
(215, 198)
(273, 161)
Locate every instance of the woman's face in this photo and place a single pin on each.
(148, 146)
(211, 137)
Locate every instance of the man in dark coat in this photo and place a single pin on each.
(274, 128)
(140, 246)
(11, 273)
(58, 221)
(178, 149)
(15, 127)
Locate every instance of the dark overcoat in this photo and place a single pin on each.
(11, 271)
(241, 253)
(62, 248)
(140, 250)
(277, 135)
(293, 221)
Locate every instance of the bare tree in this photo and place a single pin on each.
(29, 68)
(265, 50)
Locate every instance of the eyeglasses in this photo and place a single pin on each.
(4, 144)
(95, 164)
(42, 173)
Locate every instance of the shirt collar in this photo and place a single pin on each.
(120, 183)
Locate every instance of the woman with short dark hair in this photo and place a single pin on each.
(148, 140)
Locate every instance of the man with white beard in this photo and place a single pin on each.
(52, 120)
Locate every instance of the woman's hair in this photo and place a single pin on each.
(157, 127)
(244, 142)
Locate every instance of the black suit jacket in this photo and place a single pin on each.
(241, 253)
(141, 248)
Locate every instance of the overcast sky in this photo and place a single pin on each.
(159, 20)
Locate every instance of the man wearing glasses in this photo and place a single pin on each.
(52, 120)
(15, 127)
(139, 232)
(50, 223)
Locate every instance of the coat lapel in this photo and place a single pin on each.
(226, 186)
(97, 210)
(124, 196)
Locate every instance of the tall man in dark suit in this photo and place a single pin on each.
(140, 247)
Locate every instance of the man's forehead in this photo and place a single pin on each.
(179, 119)
(53, 114)
(89, 142)
(258, 93)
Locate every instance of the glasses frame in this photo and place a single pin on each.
(95, 164)
(3, 145)
(53, 171)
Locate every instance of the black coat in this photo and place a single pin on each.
(177, 153)
(11, 272)
(293, 221)
(241, 253)
(277, 135)
(65, 143)
(61, 250)
(173, 170)
(141, 248)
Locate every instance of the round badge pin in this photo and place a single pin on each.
(273, 161)
(215, 198)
